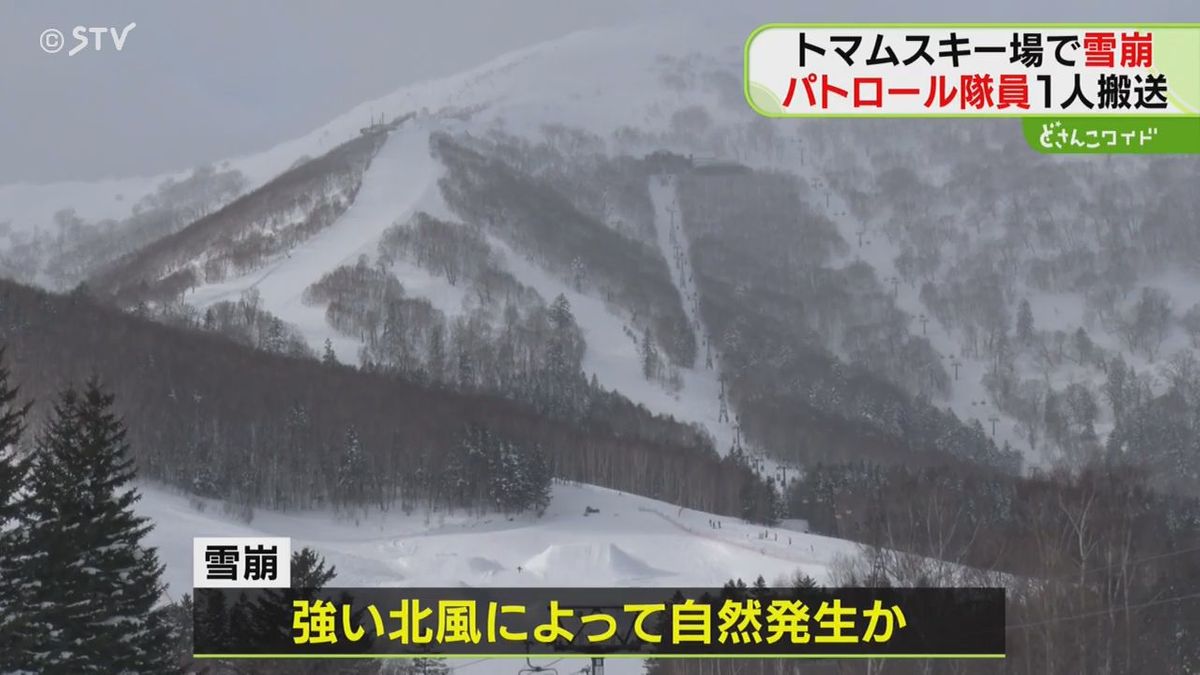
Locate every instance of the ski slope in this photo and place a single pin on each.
(613, 357)
(703, 381)
(401, 180)
(632, 541)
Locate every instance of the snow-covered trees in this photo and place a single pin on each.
(73, 249)
(353, 473)
(651, 365)
(244, 321)
(451, 250)
(778, 304)
(14, 465)
(491, 472)
(222, 619)
(239, 237)
(14, 469)
(88, 585)
(488, 185)
(1152, 315)
(1024, 322)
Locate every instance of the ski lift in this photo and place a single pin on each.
(530, 669)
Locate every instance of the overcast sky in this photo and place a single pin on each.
(202, 80)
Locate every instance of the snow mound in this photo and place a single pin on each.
(483, 566)
(591, 561)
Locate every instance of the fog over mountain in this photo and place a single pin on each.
(202, 81)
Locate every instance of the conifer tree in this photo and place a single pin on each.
(13, 466)
(1025, 323)
(352, 471)
(261, 616)
(14, 469)
(265, 618)
(309, 570)
(93, 583)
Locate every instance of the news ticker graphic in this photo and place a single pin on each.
(1078, 88)
(646, 622)
(241, 562)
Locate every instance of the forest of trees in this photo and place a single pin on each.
(538, 218)
(83, 593)
(772, 301)
(507, 339)
(239, 236)
(609, 188)
(256, 429)
(244, 321)
(1044, 272)
(73, 249)
(1100, 570)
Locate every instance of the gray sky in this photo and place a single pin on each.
(202, 80)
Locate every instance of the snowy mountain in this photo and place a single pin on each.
(402, 180)
(904, 243)
(579, 316)
(278, 222)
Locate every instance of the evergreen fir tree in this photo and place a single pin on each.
(328, 357)
(179, 616)
(1084, 346)
(13, 466)
(437, 351)
(309, 570)
(560, 313)
(212, 618)
(1115, 387)
(802, 581)
(541, 477)
(14, 469)
(1025, 323)
(274, 339)
(262, 616)
(92, 582)
(352, 472)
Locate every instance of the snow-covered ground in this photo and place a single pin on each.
(632, 541)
